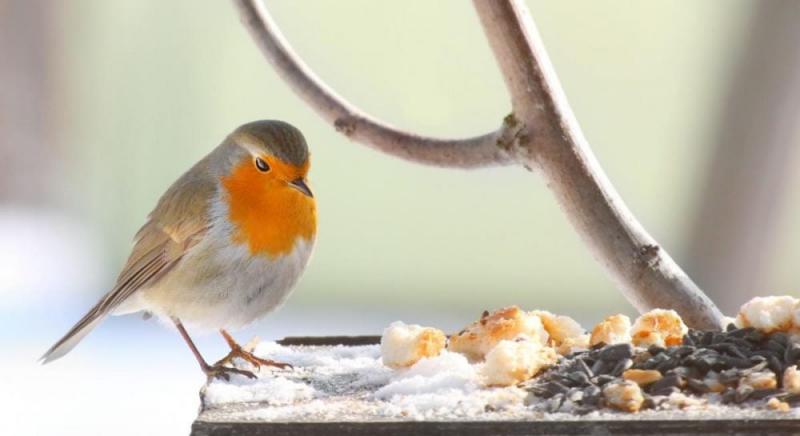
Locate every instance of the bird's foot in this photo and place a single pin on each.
(248, 356)
(218, 370)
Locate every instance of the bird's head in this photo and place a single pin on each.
(269, 199)
(277, 155)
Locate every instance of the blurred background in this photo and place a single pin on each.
(691, 108)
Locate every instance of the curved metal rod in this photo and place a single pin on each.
(480, 151)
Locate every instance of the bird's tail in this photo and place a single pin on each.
(77, 332)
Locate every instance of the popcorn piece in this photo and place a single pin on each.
(505, 324)
(559, 327)
(791, 380)
(624, 395)
(615, 329)
(760, 380)
(776, 404)
(769, 314)
(642, 377)
(403, 345)
(566, 334)
(658, 327)
(571, 345)
(682, 401)
(512, 362)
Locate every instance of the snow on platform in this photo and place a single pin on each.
(335, 384)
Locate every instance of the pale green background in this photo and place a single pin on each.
(152, 86)
(148, 87)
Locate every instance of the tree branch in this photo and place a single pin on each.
(553, 142)
(542, 132)
(480, 151)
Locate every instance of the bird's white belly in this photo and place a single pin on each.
(221, 285)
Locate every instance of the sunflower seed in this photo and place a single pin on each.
(728, 395)
(621, 366)
(781, 338)
(579, 365)
(617, 352)
(682, 351)
(775, 346)
(697, 386)
(579, 378)
(743, 392)
(792, 354)
(729, 349)
(760, 394)
(600, 367)
(602, 379)
(668, 381)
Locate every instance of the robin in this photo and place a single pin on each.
(224, 246)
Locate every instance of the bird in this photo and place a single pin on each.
(224, 246)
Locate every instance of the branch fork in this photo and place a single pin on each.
(541, 132)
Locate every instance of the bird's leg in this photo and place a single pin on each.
(238, 351)
(217, 370)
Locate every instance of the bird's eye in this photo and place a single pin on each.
(262, 165)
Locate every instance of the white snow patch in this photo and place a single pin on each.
(448, 372)
(444, 384)
(340, 382)
(270, 390)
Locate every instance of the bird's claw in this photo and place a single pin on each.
(252, 359)
(224, 372)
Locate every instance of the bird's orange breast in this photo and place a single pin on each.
(268, 215)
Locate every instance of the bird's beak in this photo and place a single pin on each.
(301, 186)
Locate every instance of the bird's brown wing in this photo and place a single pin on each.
(154, 255)
(177, 223)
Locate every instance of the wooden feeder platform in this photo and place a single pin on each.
(216, 422)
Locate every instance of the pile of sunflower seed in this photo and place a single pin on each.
(707, 364)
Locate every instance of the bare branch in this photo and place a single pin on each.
(553, 142)
(541, 133)
(480, 151)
